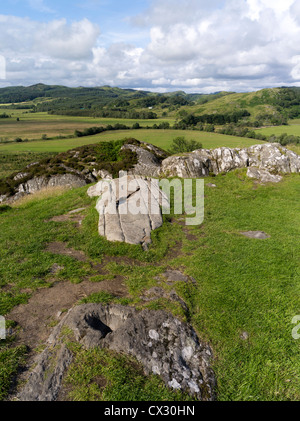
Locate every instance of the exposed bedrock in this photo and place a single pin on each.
(161, 343)
(271, 157)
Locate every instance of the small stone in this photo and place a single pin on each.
(244, 335)
(76, 211)
(55, 268)
(259, 235)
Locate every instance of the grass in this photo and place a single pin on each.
(101, 375)
(292, 129)
(242, 285)
(255, 102)
(35, 125)
(161, 138)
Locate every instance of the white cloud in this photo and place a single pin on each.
(193, 45)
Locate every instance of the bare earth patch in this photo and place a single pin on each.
(47, 305)
(60, 248)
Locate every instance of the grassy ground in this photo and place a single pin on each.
(246, 292)
(292, 129)
(161, 138)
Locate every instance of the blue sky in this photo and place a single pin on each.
(159, 45)
(112, 16)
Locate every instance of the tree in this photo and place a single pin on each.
(181, 144)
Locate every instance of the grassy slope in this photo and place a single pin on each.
(254, 102)
(243, 285)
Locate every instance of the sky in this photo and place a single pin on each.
(155, 45)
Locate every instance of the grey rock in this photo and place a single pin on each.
(20, 175)
(76, 211)
(149, 159)
(129, 208)
(185, 166)
(259, 235)
(38, 183)
(200, 163)
(102, 174)
(173, 276)
(263, 175)
(160, 342)
(244, 336)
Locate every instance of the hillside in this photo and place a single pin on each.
(274, 101)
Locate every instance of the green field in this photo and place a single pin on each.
(161, 138)
(292, 129)
(35, 125)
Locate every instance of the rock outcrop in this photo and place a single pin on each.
(64, 180)
(129, 208)
(271, 157)
(38, 183)
(161, 343)
(149, 159)
(264, 162)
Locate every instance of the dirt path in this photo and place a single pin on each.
(47, 305)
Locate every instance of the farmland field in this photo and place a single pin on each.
(292, 129)
(161, 138)
(35, 125)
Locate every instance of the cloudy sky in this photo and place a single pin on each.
(159, 45)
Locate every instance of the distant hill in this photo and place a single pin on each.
(285, 101)
(109, 101)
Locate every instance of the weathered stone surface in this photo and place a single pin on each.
(173, 276)
(20, 175)
(149, 159)
(45, 379)
(103, 174)
(263, 175)
(38, 183)
(269, 156)
(129, 208)
(161, 343)
(185, 166)
(259, 235)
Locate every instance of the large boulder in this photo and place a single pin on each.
(129, 208)
(161, 343)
